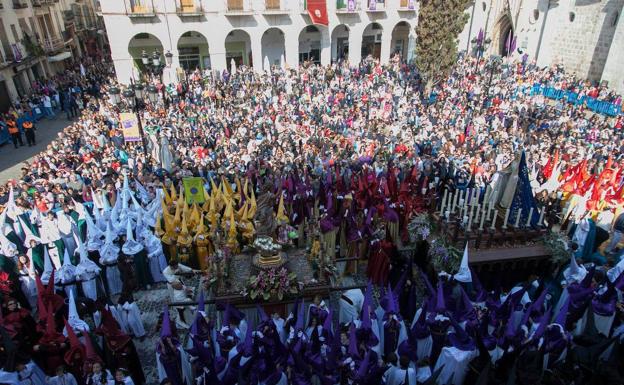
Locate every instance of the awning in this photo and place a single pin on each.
(59, 57)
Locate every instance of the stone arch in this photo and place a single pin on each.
(503, 31)
(340, 42)
(143, 42)
(193, 51)
(238, 48)
(371, 40)
(310, 44)
(273, 46)
(400, 39)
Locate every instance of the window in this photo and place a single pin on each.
(484, 6)
(615, 19)
(14, 32)
(572, 17)
(535, 16)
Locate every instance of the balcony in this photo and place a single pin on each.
(53, 44)
(20, 4)
(238, 7)
(347, 6)
(138, 9)
(274, 7)
(189, 8)
(407, 6)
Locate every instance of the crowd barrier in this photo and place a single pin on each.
(33, 116)
(595, 105)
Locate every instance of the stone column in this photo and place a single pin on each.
(291, 45)
(355, 46)
(411, 46)
(325, 46)
(386, 43)
(256, 51)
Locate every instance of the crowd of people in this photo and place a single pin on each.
(343, 156)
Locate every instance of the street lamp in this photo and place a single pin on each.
(152, 93)
(156, 59)
(114, 95)
(481, 43)
(492, 65)
(168, 58)
(139, 91)
(144, 58)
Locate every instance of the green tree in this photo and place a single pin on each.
(439, 24)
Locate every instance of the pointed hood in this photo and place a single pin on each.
(460, 339)
(110, 251)
(366, 306)
(420, 329)
(440, 303)
(75, 347)
(262, 316)
(574, 272)
(67, 272)
(130, 247)
(463, 274)
(91, 355)
(352, 350)
(165, 330)
(201, 307)
(300, 316)
(562, 315)
(51, 336)
(48, 268)
(73, 317)
(248, 343)
(28, 234)
(362, 372)
(616, 271)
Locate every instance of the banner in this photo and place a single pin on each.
(372, 5)
(130, 127)
(351, 5)
(193, 190)
(317, 9)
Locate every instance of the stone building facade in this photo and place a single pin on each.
(586, 36)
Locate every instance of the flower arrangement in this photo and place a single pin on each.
(419, 227)
(274, 282)
(557, 244)
(444, 256)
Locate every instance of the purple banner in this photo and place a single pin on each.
(372, 5)
(410, 4)
(351, 5)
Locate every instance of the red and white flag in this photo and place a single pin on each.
(317, 9)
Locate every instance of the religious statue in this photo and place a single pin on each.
(265, 216)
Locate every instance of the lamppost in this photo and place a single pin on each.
(134, 99)
(493, 65)
(481, 43)
(155, 67)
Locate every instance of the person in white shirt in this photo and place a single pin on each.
(62, 378)
(178, 291)
(47, 107)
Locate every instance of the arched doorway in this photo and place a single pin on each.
(238, 48)
(340, 43)
(193, 51)
(273, 47)
(310, 45)
(143, 42)
(503, 37)
(400, 40)
(371, 40)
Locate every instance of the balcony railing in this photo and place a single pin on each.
(189, 8)
(53, 44)
(143, 8)
(19, 4)
(347, 6)
(238, 7)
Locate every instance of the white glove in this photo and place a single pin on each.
(230, 338)
(290, 316)
(319, 329)
(348, 361)
(224, 328)
(299, 333)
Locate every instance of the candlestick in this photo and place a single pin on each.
(540, 222)
(470, 221)
(506, 219)
(447, 214)
(494, 219)
(465, 220)
(454, 202)
(518, 218)
(482, 218)
(477, 212)
(528, 223)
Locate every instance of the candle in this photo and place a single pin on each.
(518, 214)
(477, 210)
(447, 214)
(454, 202)
(436, 179)
(506, 219)
(470, 220)
(443, 201)
(465, 219)
(424, 190)
(490, 208)
(528, 223)
(461, 203)
(494, 220)
(482, 218)
(540, 222)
